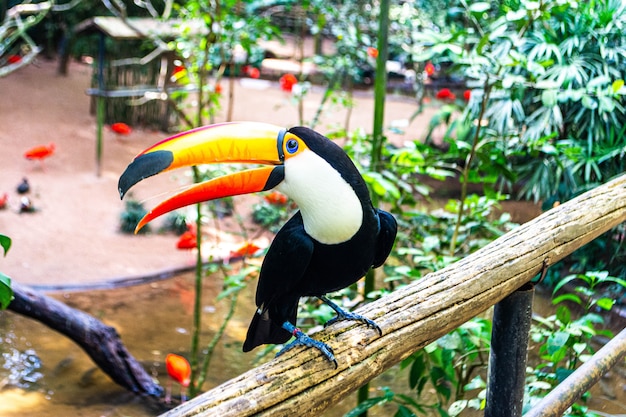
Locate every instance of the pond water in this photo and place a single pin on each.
(47, 375)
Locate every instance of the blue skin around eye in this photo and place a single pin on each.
(292, 146)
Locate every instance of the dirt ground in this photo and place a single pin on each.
(72, 238)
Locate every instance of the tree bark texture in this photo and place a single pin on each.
(102, 343)
(302, 382)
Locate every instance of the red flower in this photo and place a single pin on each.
(287, 82)
(254, 72)
(121, 128)
(246, 249)
(467, 94)
(187, 240)
(14, 59)
(445, 94)
(276, 198)
(373, 52)
(218, 88)
(429, 68)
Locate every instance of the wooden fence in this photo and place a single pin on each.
(302, 382)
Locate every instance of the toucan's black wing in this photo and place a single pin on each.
(284, 266)
(386, 237)
(286, 261)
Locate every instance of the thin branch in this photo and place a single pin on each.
(468, 163)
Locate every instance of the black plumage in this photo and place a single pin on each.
(23, 187)
(297, 265)
(335, 238)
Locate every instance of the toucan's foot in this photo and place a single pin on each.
(354, 317)
(345, 315)
(304, 340)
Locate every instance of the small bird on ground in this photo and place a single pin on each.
(335, 238)
(26, 206)
(4, 200)
(179, 370)
(23, 187)
(121, 129)
(39, 153)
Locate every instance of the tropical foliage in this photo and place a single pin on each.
(6, 294)
(552, 75)
(547, 84)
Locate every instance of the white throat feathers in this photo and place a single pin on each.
(331, 210)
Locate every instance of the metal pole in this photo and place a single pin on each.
(507, 359)
(574, 386)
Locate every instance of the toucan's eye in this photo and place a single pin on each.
(292, 146)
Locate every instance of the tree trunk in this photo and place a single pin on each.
(102, 343)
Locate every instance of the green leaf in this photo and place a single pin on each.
(549, 98)
(457, 407)
(410, 400)
(5, 242)
(607, 104)
(563, 282)
(579, 347)
(404, 412)
(557, 341)
(598, 81)
(605, 303)
(6, 294)
(441, 382)
(532, 5)
(571, 94)
(568, 297)
(380, 185)
(418, 370)
(479, 7)
(618, 281)
(549, 149)
(558, 355)
(451, 341)
(476, 383)
(478, 403)
(546, 84)
(509, 80)
(431, 243)
(514, 16)
(589, 103)
(365, 405)
(617, 85)
(562, 373)
(563, 314)
(540, 385)
(442, 412)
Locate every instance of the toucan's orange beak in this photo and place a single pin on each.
(244, 142)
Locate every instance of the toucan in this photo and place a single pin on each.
(330, 243)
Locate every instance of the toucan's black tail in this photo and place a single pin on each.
(263, 330)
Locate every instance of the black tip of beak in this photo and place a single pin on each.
(144, 166)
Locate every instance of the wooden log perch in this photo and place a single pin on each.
(102, 343)
(301, 382)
